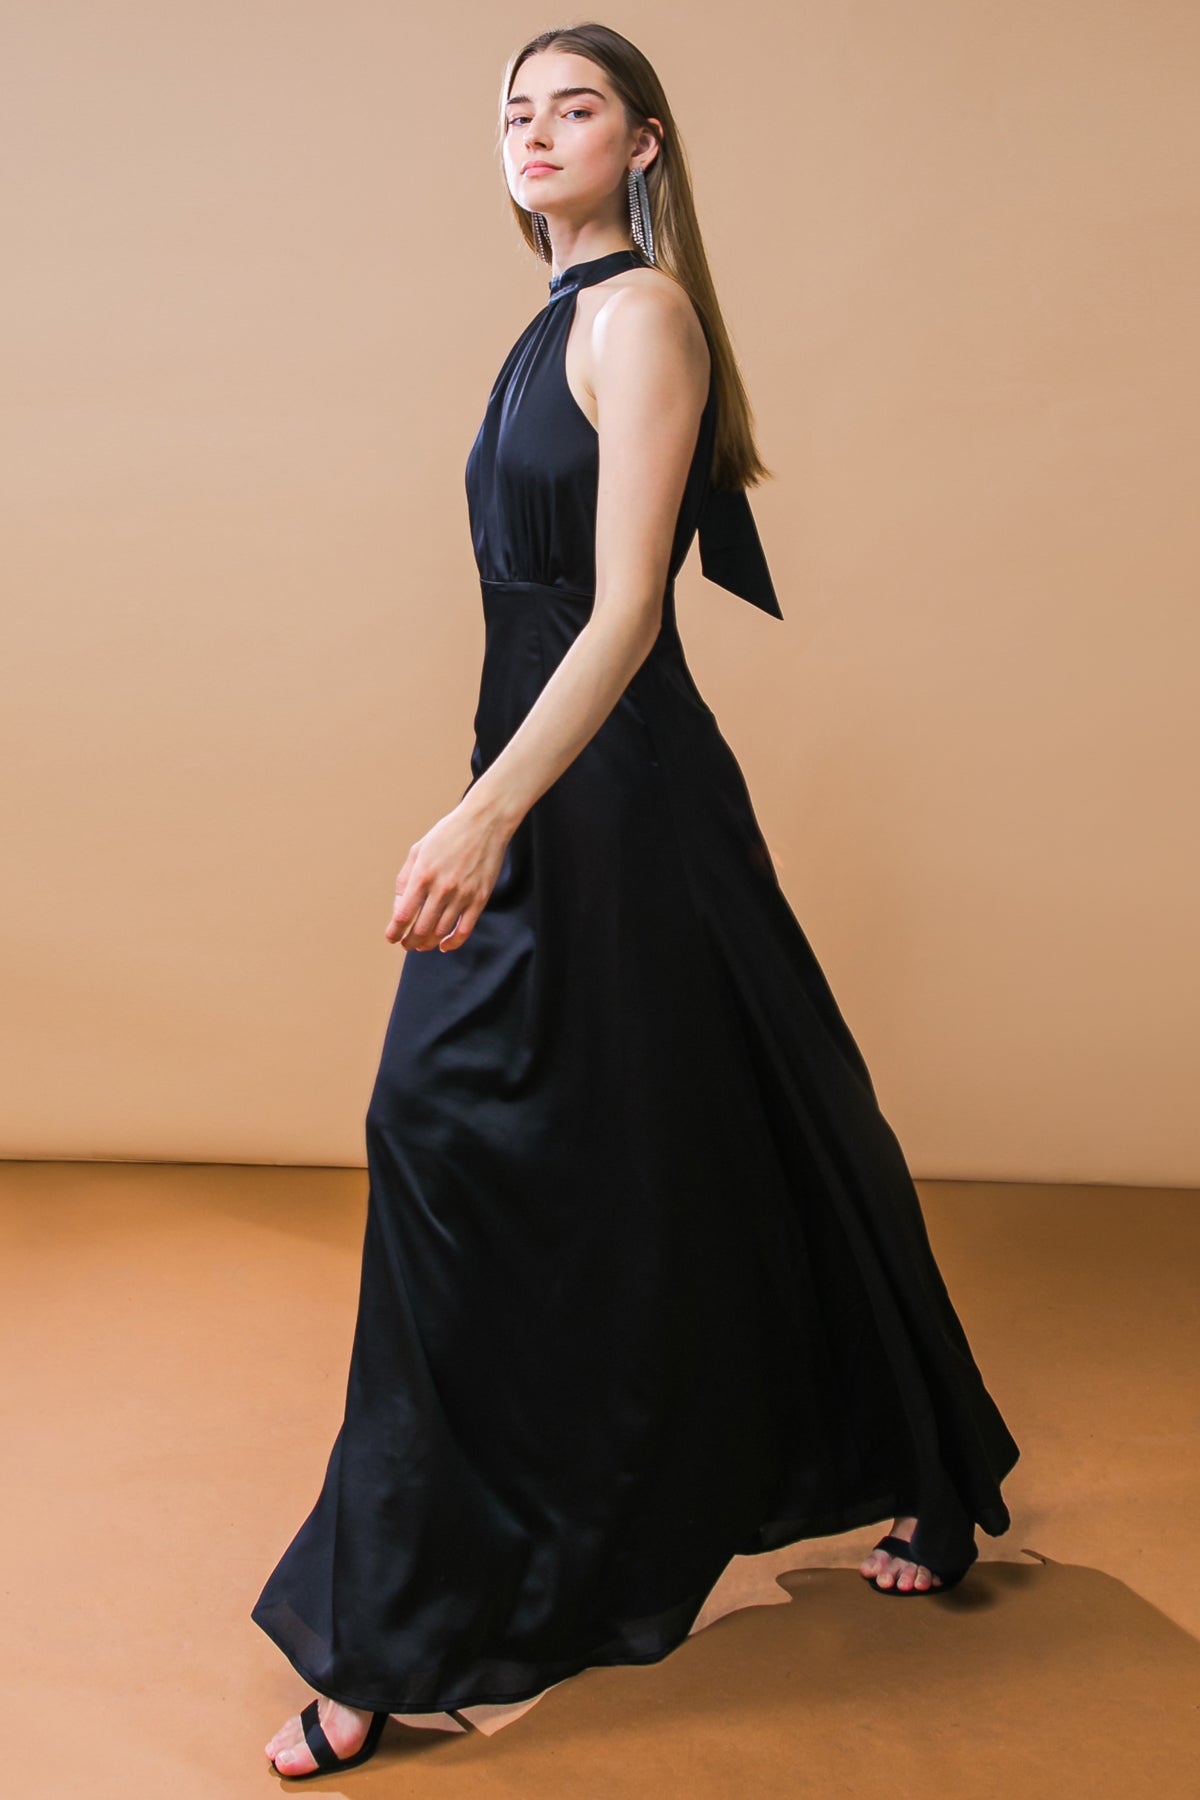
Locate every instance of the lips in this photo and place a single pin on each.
(536, 168)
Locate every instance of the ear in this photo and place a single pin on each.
(648, 140)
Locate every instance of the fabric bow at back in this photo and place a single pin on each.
(731, 552)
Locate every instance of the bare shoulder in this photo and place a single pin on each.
(643, 319)
(650, 304)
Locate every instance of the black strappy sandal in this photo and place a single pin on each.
(327, 1759)
(909, 1550)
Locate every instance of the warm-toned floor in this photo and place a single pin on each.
(176, 1342)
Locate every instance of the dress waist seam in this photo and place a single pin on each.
(553, 587)
(542, 587)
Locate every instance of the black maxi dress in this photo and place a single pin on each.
(645, 1279)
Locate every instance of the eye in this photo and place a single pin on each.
(583, 111)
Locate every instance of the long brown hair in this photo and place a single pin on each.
(678, 246)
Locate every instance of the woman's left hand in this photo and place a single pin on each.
(446, 880)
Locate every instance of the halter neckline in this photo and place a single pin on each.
(596, 268)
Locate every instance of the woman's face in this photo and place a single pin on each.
(580, 139)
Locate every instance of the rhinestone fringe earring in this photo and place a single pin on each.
(639, 214)
(541, 236)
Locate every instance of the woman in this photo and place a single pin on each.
(645, 1280)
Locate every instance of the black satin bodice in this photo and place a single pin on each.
(532, 471)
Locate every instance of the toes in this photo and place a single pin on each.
(892, 1571)
(913, 1575)
(297, 1760)
(285, 1739)
(908, 1576)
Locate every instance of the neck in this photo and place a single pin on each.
(586, 247)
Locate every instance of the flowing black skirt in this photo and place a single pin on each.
(645, 1279)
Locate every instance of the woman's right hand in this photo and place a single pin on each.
(447, 879)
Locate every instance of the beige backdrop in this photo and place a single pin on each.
(259, 279)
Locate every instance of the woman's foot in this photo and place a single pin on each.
(894, 1569)
(344, 1726)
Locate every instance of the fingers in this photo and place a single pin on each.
(446, 921)
(434, 918)
(400, 921)
(462, 930)
(402, 908)
(443, 924)
(410, 922)
(444, 885)
(418, 910)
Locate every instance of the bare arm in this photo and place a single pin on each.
(651, 379)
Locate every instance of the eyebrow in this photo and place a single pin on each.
(562, 93)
